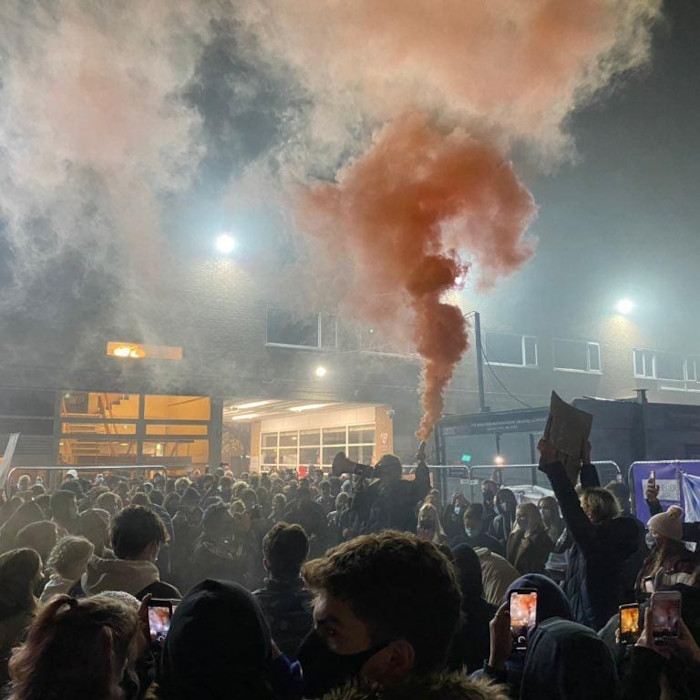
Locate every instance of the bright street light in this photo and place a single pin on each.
(225, 243)
(624, 306)
(320, 372)
(499, 460)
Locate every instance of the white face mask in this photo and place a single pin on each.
(651, 540)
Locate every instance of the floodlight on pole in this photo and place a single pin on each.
(225, 243)
(320, 371)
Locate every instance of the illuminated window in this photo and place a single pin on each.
(137, 351)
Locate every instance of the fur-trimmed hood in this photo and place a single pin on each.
(453, 686)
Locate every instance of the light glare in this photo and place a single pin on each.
(625, 306)
(225, 243)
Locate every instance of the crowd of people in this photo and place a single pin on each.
(358, 587)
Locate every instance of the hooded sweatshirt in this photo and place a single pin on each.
(128, 575)
(567, 661)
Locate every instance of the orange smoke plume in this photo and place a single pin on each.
(398, 215)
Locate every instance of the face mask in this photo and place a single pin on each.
(650, 540)
(472, 532)
(350, 665)
(457, 510)
(523, 524)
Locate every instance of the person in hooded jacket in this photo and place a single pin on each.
(26, 514)
(551, 603)
(219, 647)
(503, 523)
(21, 579)
(470, 645)
(603, 542)
(136, 535)
(567, 661)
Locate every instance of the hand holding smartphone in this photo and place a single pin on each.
(523, 616)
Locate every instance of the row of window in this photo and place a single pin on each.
(294, 448)
(320, 331)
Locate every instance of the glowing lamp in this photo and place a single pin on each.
(625, 306)
(320, 372)
(225, 243)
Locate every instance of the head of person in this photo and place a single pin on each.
(304, 493)
(64, 508)
(93, 524)
(528, 519)
(74, 486)
(622, 495)
(551, 599)
(599, 504)
(181, 485)
(342, 501)
(171, 503)
(279, 503)
(335, 483)
(27, 513)
(44, 502)
(249, 498)
(110, 502)
(506, 502)
(190, 498)
(237, 507)
(667, 527)
(489, 489)
(567, 661)
(141, 499)
(122, 489)
(285, 548)
(69, 557)
(24, 483)
(220, 616)
(37, 490)
(325, 488)
(389, 600)
(474, 520)
(76, 648)
(468, 570)
(40, 536)
(217, 523)
(389, 469)
(20, 577)
(433, 498)
(137, 533)
(549, 510)
(157, 497)
(429, 522)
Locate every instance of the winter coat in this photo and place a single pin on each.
(596, 560)
(287, 607)
(454, 686)
(529, 554)
(12, 632)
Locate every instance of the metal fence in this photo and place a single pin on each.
(54, 475)
(528, 483)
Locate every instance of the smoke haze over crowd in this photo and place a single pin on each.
(397, 125)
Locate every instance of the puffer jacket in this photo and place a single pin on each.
(452, 686)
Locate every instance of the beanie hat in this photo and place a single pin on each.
(668, 524)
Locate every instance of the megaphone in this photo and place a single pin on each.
(343, 465)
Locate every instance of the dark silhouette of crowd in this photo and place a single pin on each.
(363, 586)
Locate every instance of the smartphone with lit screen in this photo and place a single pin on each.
(160, 614)
(666, 615)
(629, 624)
(522, 603)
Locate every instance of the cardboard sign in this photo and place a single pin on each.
(569, 429)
